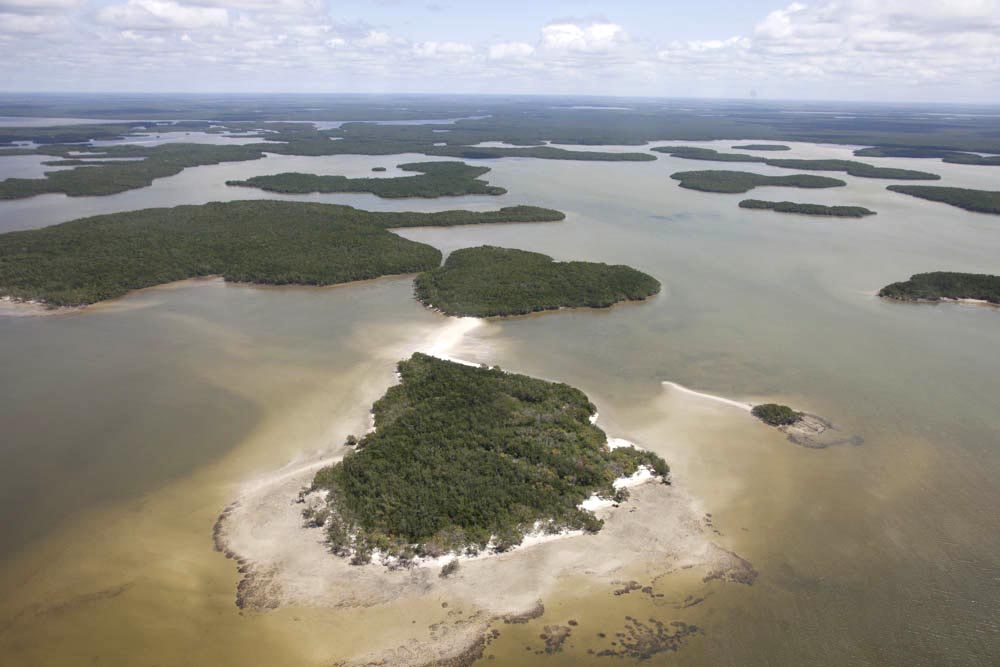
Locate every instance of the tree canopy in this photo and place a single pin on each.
(465, 456)
(490, 281)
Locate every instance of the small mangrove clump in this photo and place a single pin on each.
(774, 414)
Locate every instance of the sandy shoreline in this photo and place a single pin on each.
(282, 563)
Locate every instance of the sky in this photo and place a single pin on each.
(865, 50)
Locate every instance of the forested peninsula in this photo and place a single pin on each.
(850, 167)
(808, 209)
(465, 459)
(488, 281)
(744, 181)
(939, 285)
(763, 147)
(436, 179)
(977, 201)
(954, 157)
(266, 242)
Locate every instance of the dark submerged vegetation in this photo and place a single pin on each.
(775, 414)
(807, 209)
(436, 179)
(977, 201)
(489, 281)
(464, 458)
(267, 242)
(939, 285)
(744, 181)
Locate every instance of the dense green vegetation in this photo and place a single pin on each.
(530, 120)
(463, 457)
(544, 152)
(107, 178)
(437, 179)
(489, 281)
(103, 257)
(978, 201)
(956, 157)
(945, 285)
(763, 147)
(744, 181)
(807, 209)
(859, 169)
(775, 414)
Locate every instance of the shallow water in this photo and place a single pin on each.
(128, 426)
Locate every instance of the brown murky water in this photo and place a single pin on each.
(129, 426)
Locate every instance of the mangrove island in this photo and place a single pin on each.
(488, 281)
(939, 285)
(265, 242)
(436, 179)
(465, 459)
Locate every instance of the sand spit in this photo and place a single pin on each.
(712, 397)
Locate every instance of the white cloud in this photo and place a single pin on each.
(510, 51)
(29, 24)
(810, 48)
(161, 15)
(595, 37)
(37, 6)
(442, 49)
(375, 38)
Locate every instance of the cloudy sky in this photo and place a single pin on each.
(885, 50)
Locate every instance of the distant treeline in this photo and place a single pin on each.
(955, 157)
(859, 169)
(808, 209)
(489, 281)
(763, 147)
(945, 285)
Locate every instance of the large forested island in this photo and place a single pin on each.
(977, 201)
(465, 458)
(939, 285)
(807, 209)
(436, 179)
(744, 181)
(271, 242)
(489, 281)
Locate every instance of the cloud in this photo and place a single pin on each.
(375, 38)
(510, 51)
(161, 15)
(442, 49)
(810, 48)
(8, 7)
(29, 24)
(593, 37)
